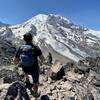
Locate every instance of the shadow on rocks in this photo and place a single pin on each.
(44, 97)
(17, 91)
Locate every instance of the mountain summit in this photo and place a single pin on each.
(56, 34)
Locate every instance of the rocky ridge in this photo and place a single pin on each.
(7, 51)
(79, 82)
(78, 78)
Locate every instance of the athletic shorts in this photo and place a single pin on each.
(33, 71)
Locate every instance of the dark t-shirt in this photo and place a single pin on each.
(37, 52)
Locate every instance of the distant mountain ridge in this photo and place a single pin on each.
(56, 34)
(3, 24)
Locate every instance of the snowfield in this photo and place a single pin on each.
(69, 40)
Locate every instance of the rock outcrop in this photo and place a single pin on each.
(80, 82)
(7, 51)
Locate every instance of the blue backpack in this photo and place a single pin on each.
(27, 56)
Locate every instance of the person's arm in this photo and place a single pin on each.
(16, 58)
(40, 55)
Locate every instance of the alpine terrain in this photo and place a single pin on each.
(71, 70)
(57, 35)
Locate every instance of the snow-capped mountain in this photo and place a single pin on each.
(57, 33)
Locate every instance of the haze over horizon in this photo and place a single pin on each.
(84, 13)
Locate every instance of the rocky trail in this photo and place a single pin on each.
(69, 81)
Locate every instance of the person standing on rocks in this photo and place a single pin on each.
(27, 56)
(49, 59)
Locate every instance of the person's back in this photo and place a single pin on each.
(28, 55)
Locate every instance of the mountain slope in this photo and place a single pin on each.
(58, 35)
(7, 51)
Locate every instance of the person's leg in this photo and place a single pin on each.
(35, 77)
(34, 90)
(35, 87)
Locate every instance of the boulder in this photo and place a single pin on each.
(88, 97)
(68, 66)
(81, 69)
(96, 93)
(57, 71)
(97, 83)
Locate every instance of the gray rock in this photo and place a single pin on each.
(96, 93)
(57, 71)
(97, 83)
(88, 97)
(7, 51)
(9, 76)
(81, 69)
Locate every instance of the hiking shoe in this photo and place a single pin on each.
(35, 94)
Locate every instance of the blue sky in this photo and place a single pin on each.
(83, 12)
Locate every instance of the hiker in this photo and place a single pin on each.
(27, 55)
(49, 59)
